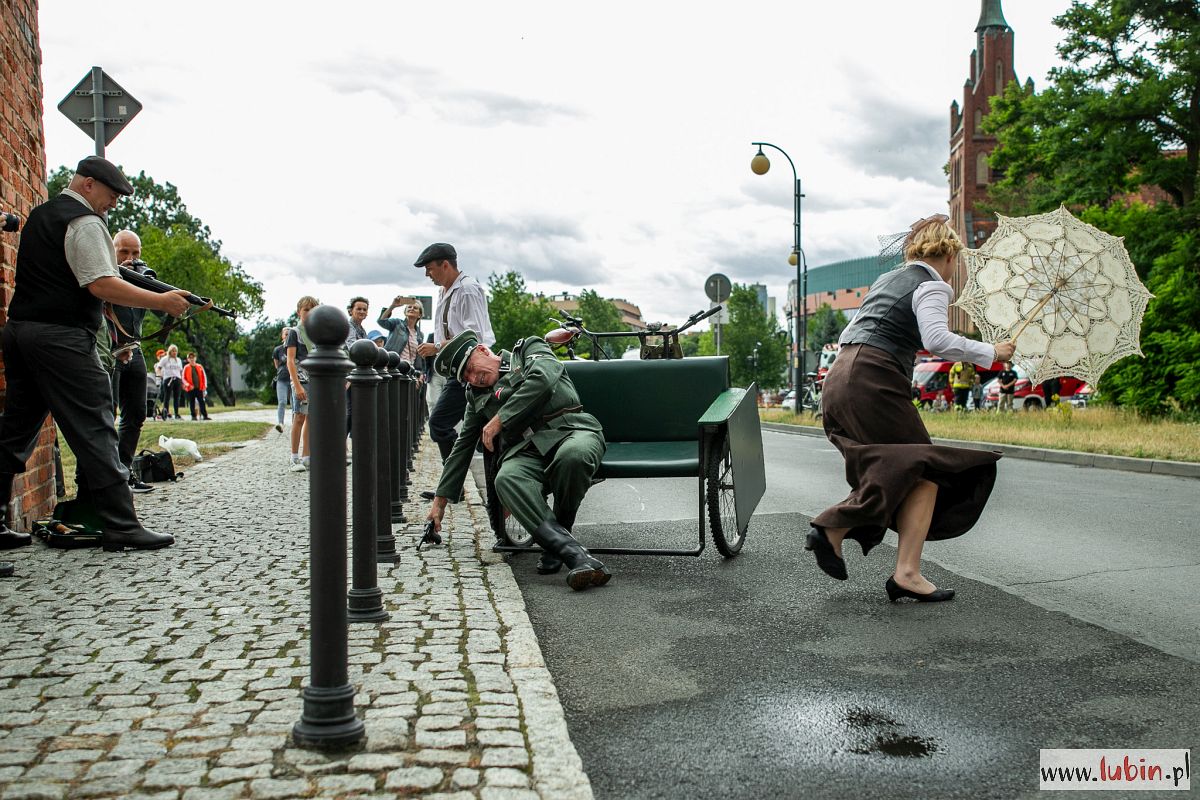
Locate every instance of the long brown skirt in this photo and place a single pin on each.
(870, 418)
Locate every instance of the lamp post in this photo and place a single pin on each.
(759, 166)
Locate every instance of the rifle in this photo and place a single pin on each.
(152, 284)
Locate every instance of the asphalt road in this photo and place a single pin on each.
(1075, 626)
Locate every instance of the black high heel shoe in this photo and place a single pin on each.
(829, 561)
(895, 591)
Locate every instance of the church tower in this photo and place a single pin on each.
(991, 69)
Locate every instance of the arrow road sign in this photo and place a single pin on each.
(100, 107)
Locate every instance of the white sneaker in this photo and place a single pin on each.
(279, 427)
(298, 466)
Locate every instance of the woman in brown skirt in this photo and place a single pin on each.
(898, 478)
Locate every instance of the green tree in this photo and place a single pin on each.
(253, 351)
(514, 312)
(601, 315)
(752, 339)
(1122, 115)
(825, 325)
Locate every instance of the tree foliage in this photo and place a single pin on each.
(601, 315)
(253, 351)
(756, 346)
(825, 325)
(1123, 115)
(514, 312)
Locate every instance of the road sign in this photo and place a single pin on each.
(717, 287)
(100, 107)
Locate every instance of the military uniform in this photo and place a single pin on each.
(547, 444)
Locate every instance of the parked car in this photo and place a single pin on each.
(1029, 397)
(789, 401)
(1083, 395)
(931, 380)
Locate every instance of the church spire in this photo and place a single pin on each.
(991, 15)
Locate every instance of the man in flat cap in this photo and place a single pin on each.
(462, 305)
(66, 269)
(523, 405)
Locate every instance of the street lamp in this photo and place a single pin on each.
(759, 166)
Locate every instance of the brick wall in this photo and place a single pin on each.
(22, 186)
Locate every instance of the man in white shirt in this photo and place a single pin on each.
(462, 306)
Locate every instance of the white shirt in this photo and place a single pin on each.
(468, 310)
(170, 367)
(89, 248)
(931, 304)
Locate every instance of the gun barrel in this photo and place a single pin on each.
(155, 285)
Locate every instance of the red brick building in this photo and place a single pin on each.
(990, 71)
(23, 186)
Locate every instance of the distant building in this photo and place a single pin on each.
(631, 315)
(842, 285)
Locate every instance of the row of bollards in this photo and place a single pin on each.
(388, 412)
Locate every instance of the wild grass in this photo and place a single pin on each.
(1099, 429)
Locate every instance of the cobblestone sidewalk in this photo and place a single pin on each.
(176, 674)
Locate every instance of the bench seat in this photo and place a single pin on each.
(650, 460)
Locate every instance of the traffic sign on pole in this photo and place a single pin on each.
(100, 107)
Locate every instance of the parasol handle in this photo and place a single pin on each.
(1033, 313)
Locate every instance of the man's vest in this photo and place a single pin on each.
(887, 320)
(46, 288)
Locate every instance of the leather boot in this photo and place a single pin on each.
(121, 526)
(9, 539)
(584, 571)
(549, 563)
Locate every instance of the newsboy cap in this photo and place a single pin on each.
(438, 251)
(106, 172)
(452, 358)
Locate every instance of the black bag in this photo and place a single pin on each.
(152, 467)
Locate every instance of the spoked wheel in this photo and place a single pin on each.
(508, 531)
(722, 515)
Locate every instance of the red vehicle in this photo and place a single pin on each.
(931, 380)
(1027, 396)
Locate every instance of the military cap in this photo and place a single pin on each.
(438, 251)
(106, 172)
(452, 358)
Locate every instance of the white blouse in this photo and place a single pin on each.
(931, 303)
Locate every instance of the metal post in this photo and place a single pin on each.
(398, 441)
(328, 718)
(98, 108)
(365, 600)
(385, 541)
(802, 292)
(411, 414)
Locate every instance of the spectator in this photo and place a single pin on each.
(1007, 381)
(171, 370)
(377, 337)
(298, 344)
(962, 378)
(283, 381)
(161, 411)
(462, 306)
(129, 376)
(195, 383)
(358, 312)
(1050, 390)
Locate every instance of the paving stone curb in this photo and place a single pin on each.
(176, 674)
(1181, 469)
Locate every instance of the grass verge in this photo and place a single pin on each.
(1109, 431)
(213, 438)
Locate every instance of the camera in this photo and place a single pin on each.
(9, 222)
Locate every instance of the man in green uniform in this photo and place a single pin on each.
(523, 404)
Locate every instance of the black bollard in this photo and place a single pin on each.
(410, 417)
(385, 541)
(399, 488)
(327, 719)
(365, 600)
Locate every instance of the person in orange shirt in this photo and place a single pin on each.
(195, 386)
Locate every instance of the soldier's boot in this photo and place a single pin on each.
(583, 570)
(122, 529)
(549, 563)
(9, 539)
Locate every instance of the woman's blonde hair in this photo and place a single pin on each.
(307, 302)
(932, 237)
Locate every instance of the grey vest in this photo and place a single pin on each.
(886, 319)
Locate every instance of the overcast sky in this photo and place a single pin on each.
(604, 146)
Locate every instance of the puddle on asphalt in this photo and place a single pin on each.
(873, 732)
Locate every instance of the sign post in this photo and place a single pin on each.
(100, 107)
(718, 289)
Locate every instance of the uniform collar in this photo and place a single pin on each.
(505, 362)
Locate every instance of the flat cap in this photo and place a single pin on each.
(453, 356)
(106, 172)
(438, 251)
